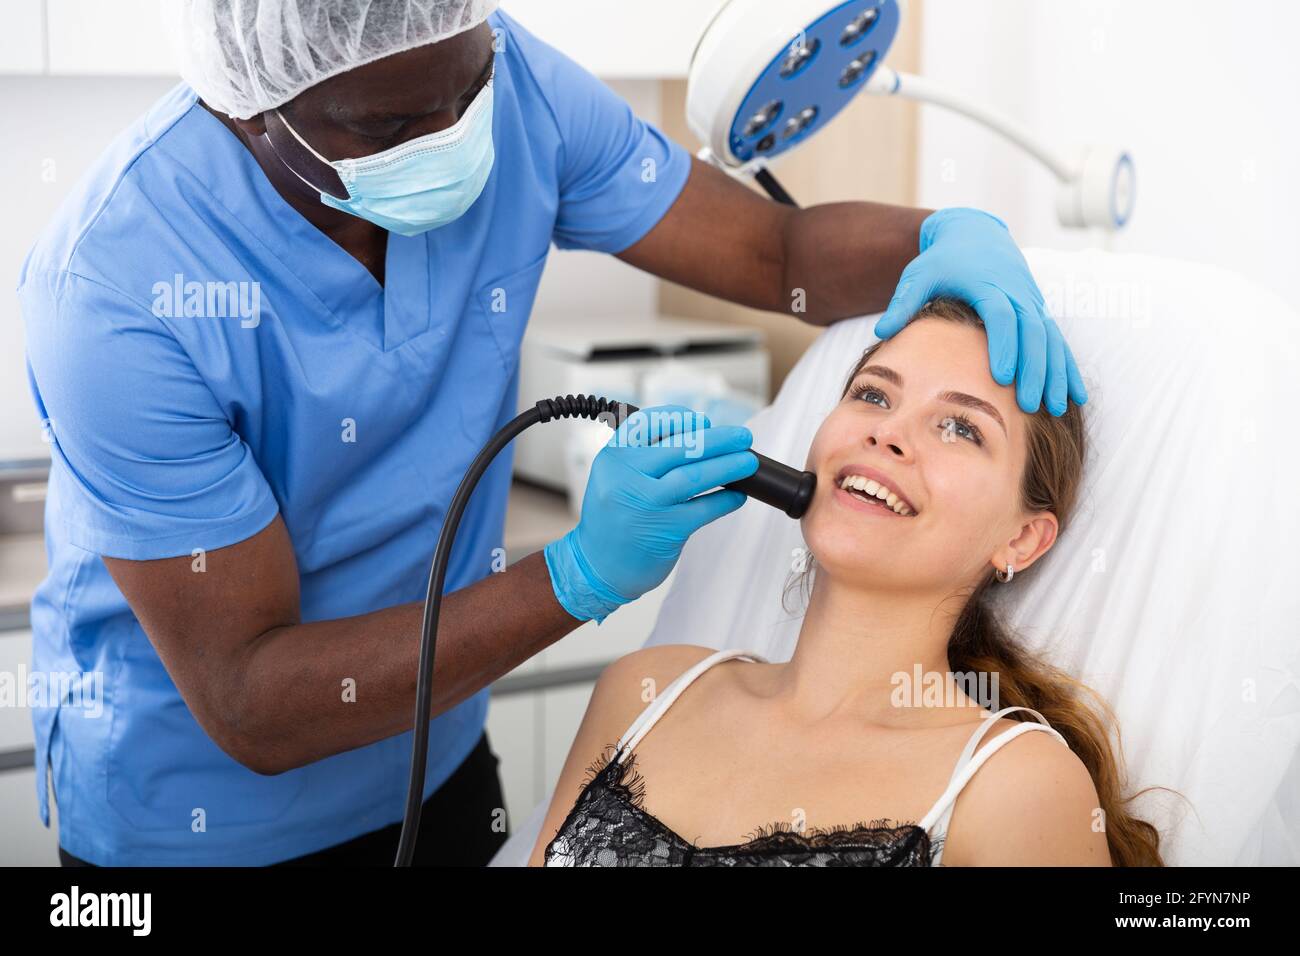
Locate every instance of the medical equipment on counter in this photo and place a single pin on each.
(785, 488)
(1172, 594)
(767, 75)
(626, 357)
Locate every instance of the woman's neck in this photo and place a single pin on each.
(859, 652)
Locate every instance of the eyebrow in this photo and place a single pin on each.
(954, 398)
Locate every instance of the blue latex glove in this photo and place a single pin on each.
(638, 508)
(969, 255)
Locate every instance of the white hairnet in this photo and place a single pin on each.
(247, 56)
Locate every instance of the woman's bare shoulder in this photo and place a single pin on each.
(635, 679)
(1032, 803)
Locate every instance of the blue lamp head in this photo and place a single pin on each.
(768, 74)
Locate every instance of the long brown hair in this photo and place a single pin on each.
(980, 642)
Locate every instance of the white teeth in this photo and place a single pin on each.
(876, 490)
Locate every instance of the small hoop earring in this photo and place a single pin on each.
(1006, 576)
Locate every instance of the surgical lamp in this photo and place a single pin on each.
(767, 75)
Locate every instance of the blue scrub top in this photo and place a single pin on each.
(305, 389)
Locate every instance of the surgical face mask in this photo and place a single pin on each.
(420, 184)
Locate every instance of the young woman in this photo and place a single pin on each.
(933, 487)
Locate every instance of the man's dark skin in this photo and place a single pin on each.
(268, 688)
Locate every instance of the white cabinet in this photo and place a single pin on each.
(22, 39)
(618, 40)
(15, 717)
(515, 729)
(122, 38)
(23, 839)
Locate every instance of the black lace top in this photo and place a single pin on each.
(609, 826)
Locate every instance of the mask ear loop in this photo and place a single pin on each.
(333, 183)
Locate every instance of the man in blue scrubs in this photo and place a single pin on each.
(267, 335)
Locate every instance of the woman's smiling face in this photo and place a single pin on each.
(925, 416)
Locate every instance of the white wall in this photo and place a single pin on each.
(56, 126)
(1203, 93)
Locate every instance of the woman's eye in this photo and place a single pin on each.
(868, 393)
(959, 427)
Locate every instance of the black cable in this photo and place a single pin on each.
(773, 188)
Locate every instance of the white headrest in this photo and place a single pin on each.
(1176, 591)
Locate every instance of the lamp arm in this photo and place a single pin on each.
(887, 82)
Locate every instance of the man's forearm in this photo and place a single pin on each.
(846, 258)
(820, 264)
(309, 691)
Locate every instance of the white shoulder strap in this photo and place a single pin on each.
(655, 709)
(969, 762)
